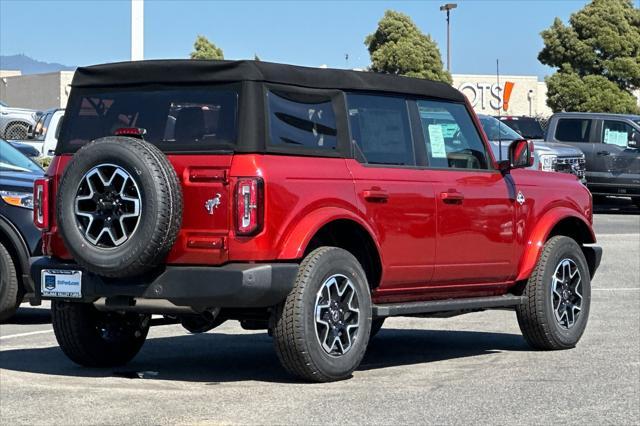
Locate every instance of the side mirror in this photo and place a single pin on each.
(519, 156)
(634, 142)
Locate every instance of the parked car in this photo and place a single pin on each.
(19, 238)
(16, 122)
(548, 157)
(610, 143)
(44, 136)
(25, 149)
(529, 127)
(310, 202)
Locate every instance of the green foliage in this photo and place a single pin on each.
(597, 56)
(204, 49)
(43, 162)
(399, 47)
(567, 91)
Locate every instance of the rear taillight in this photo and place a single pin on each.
(41, 203)
(249, 209)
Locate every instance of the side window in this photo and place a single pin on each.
(380, 129)
(452, 140)
(303, 123)
(617, 133)
(573, 130)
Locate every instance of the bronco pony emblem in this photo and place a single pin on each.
(212, 204)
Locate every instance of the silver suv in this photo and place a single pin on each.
(548, 157)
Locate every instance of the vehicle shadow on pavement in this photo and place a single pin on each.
(215, 357)
(28, 316)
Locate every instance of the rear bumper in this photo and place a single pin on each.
(236, 285)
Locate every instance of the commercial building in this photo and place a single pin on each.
(36, 91)
(513, 95)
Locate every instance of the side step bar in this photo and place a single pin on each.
(433, 306)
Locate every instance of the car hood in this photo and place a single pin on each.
(18, 110)
(559, 149)
(540, 147)
(18, 181)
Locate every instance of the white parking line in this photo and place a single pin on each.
(31, 333)
(617, 289)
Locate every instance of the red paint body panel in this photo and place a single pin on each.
(439, 233)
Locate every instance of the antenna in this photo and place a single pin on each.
(499, 108)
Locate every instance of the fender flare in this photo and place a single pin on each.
(540, 234)
(299, 237)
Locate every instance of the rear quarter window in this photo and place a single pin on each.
(176, 119)
(301, 122)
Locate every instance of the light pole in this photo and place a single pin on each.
(137, 30)
(447, 7)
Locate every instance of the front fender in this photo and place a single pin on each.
(540, 234)
(299, 237)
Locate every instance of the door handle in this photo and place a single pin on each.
(451, 197)
(603, 153)
(375, 195)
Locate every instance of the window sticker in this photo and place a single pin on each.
(436, 139)
(614, 137)
(449, 130)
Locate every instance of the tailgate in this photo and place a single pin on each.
(206, 209)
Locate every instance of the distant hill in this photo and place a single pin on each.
(29, 65)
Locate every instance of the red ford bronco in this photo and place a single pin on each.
(312, 203)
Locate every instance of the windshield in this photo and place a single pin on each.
(13, 160)
(529, 128)
(176, 119)
(497, 130)
(3, 104)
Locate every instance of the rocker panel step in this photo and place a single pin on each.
(432, 306)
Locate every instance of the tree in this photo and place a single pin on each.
(204, 49)
(597, 57)
(399, 47)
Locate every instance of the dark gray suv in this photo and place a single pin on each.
(610, 143)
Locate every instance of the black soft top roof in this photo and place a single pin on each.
(188, 71)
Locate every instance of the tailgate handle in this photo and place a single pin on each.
(207, 175)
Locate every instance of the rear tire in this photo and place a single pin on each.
(97, 339)
(322, 329)
(558, 297)
(9, 287)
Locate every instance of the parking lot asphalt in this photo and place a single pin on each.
(474, 368)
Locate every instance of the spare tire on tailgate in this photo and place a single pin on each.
(119, 207)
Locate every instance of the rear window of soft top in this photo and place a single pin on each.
(176, 119)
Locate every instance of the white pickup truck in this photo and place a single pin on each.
(44, 136)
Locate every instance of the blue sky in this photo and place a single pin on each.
(82, 32)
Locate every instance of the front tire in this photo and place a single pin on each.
(9, 288)
(97, 339)
(322, 329)
(558, 297)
